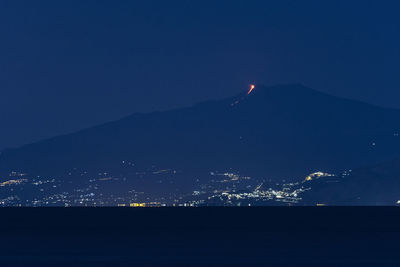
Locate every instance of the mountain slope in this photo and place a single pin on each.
(281, 132)
(378, 184)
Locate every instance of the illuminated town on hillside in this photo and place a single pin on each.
(227, 188)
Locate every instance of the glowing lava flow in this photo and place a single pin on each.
(251, 88)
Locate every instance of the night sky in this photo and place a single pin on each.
(66, 65)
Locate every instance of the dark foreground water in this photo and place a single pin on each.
(270, 236)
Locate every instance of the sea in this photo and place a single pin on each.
(205, 236)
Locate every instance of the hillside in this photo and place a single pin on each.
(280, 132)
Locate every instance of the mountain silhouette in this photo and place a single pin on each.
(279, 132)
(378, 184)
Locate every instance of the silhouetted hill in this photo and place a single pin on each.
(378, 184)
(285, 131)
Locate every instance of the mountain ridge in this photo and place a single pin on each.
(272, 126)
(227, 99)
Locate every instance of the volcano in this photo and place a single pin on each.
(279, 132)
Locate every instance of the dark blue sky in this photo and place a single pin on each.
(66, 65)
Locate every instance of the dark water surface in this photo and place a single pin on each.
(262, 236)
